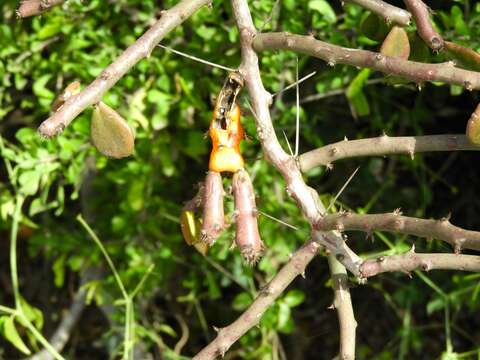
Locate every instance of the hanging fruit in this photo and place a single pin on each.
(226, 130)
(247, 236)
(110, 133)
(213, 216)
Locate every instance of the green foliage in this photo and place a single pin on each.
(134, 204)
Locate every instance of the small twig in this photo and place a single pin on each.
(342, 303)
(277, 220)
(411, 261)
(185, 334)
(425, 29)
(196, 58)
(384, 145)
(389, 12)
(336, 92)
(440, 229)
(333, 54)
(297, 114)
(36, 7)
(296, 83)
(142, 48)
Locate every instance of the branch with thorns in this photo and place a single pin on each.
(395, 222)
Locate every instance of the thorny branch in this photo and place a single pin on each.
(421, 14)
(333, 54)
(384, 145)
(411, 261)
(389, 12)
(228, 335)
(342, 303)
(440, 229)
(142, 48)
(306, 198)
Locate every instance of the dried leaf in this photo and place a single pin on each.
(464, 56)
(396, 43)
(110, 133)
(473, 127)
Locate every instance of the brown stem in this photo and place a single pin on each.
(247, 237)
(394, 222)
(425, 29)
(389, 12)
(342, 302)
(333, 54)
(411, 261)
(142, 48)
(36, 7)
(384, 145)
(230, 334)
(213, 215)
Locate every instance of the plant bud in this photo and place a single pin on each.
(213, 215)
(247, 238)
(71, 89)
(110, 133)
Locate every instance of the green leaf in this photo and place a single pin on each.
(29, 181)
(11, 334)
(110, 133)
(324, 8)
(294, 298)
(241, 301)
(284, 314)
(355, 95)
(59, 270)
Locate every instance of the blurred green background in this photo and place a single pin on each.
(134, 204)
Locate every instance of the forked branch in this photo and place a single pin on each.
(384, 145)
(334, 54)
(440, 229)
(142, 48)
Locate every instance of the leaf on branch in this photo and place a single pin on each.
(473, 127)
(396, 43)
(110, 133)
(463, 56)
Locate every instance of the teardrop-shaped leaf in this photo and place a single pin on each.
(473, 127)
(110, 133)
(374, 28)
(396, 43)
(464, 56)
(11, 334)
